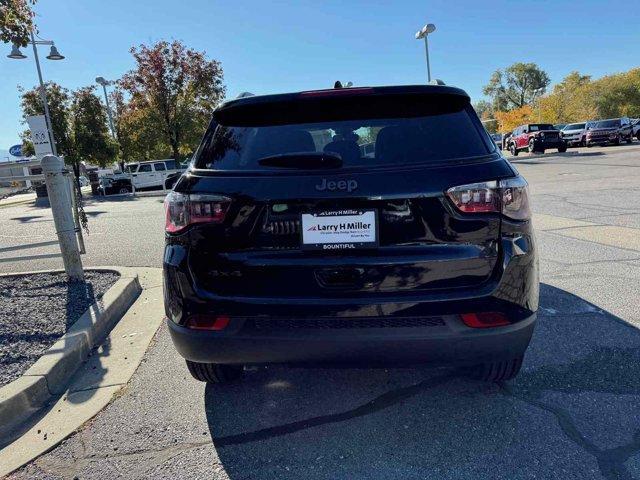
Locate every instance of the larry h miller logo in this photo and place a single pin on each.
(338, 227)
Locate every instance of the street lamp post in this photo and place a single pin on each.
(102, 81)
(424, 33)
(53, 55)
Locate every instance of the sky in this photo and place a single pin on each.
(279, 46)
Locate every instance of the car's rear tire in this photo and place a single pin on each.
(214, 372)
(497, 371)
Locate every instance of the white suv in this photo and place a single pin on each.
(152, 173)
(574, 134)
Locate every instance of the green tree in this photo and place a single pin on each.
(16, 21)
(175, 88)
(79, 124)
(91, 140)
(519, 85)
(139, 135)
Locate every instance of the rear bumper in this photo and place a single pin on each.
(453, 344)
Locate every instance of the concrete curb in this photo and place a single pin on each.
(51, 374)
(18, 202)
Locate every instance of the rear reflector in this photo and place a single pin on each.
(484, 319)
(208, 322)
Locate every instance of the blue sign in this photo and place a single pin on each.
(16, 150)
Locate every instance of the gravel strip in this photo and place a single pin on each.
(36, 310)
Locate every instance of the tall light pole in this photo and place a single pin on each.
(104, 83)
(53, 55)
(424, 33)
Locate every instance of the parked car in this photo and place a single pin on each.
(152, 173)
(635, 124)
(505, 140)
(497, 138)
(283, 250)
(536, 137)
(115, 184)
(84, 181)
(611, 131)
(574, 134)
(171, 179)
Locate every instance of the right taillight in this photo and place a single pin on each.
(509, 196)
(182, 210)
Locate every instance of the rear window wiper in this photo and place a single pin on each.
(302, 160)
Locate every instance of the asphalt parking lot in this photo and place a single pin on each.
(573, 413)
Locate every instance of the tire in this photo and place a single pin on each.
(513, 149)
(587, 144)
(532, 146)
(562, 149)
(498, 371)
(123, 190)
(630, 138)
(583, 142)
(638, 135)
(214, 372)
(616, 142)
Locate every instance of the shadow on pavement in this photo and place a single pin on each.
(574, 412)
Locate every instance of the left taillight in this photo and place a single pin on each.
(509, 197)
(182, 210)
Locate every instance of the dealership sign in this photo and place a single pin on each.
(16, 150)
(39, 135)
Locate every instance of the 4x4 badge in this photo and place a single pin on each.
(331, 185)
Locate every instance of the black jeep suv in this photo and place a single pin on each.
(286, 244)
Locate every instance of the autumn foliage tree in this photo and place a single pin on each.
(174, 88)
(509, 120)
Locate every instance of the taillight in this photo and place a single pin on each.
(510, 197)
(182, 210)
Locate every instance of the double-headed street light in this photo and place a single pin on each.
(424, 33)
(53, 55)
(102, 81)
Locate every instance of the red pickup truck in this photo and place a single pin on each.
(536, 137)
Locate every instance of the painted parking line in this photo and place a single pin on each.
(611, 235)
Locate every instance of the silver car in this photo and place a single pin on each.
(574, 134)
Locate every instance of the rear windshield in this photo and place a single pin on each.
(393, 140)
(574, 126)
(607, 124)
(541, 126)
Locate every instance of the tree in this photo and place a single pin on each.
(513, 118)
(519, 85)
(91, 140)
(16, 21)
(177, 88)
(485, 111)
(139, 136)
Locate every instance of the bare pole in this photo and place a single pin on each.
(426, 47)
